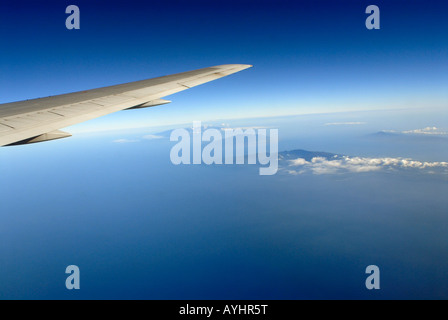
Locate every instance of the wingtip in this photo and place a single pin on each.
(232, 66)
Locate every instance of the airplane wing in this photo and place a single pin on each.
(39, 120)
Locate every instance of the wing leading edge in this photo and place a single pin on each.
(40, 119)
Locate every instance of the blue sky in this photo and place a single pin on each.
(308, 56)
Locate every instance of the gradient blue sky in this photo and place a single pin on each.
(308, 56)
(140, 227)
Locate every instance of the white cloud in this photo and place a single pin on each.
(152, 137)
(427, 130)
(243, 128)
(146, 137)
(298, 162)
(124, 141)
(345, 164)
(343, 123)
(424, 131)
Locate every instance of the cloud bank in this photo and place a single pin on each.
(344, 123)
(124, 141)
(345, 164)
(152, 137)
(425, 131)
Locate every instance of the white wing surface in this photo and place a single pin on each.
(39, 120)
